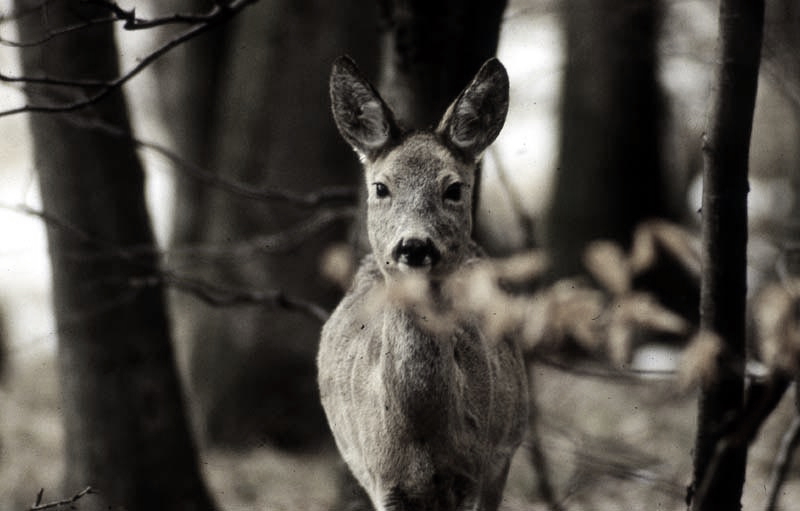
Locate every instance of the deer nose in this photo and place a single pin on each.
(416, 253)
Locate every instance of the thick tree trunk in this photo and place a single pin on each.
(126, 430)
(431, 50)
(253, 367)
(719, 467)
(610, 174)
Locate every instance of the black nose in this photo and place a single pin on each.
(415, 252)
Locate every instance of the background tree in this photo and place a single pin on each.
(264, 128)
(610, 174)
(190, 79)
(126, 430)
(430, 52)
(243, 224)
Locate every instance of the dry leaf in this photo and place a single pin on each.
(608, 264)
(699, 362)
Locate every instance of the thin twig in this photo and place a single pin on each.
(132, 22)
(53, 34)
(219, 296)
(37, 506)
(277, 242)
(282, 241)
(315, 198)
(220, 16)
(783, 460)
(44, 80)
(740, 431)
(213, 294)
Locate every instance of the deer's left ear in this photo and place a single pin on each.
(475, 118)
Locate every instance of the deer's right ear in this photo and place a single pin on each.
(363, 118)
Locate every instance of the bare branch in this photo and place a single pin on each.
(281, 241)
(217, 16)
(219, 296)
(132, 22)
(739, 431)
(213, 294)
(315, 198)
(52, 34)
(38, 505)
(783, 461)
(117, 13)
(44, 80)
(319, 197)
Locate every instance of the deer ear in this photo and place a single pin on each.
(363, 118)
(475, 118)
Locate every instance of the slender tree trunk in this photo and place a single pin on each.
(610, 175)
(126, 430)
(719, 471)
(191, 79)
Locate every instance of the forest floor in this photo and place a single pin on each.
(609, 444)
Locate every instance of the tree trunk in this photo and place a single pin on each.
(719, 467)
(610, 175)
(431, 51)
(126, 430)
(253, 367)
(191, 78)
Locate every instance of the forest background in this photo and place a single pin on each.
(200, 216)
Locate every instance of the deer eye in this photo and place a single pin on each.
(381, 190)
(453, 192)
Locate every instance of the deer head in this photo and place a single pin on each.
(420, 183)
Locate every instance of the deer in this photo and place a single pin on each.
(425, 418)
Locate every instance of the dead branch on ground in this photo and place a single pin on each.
(39, 505)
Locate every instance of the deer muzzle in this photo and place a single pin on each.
(416, 253)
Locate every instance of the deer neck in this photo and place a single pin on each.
(416, 366)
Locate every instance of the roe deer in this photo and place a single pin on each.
(426, 418)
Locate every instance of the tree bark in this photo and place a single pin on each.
(610, 175)
(253, 367)
(431, 50)
(126, 430)
(191, 79)
(719, 471)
